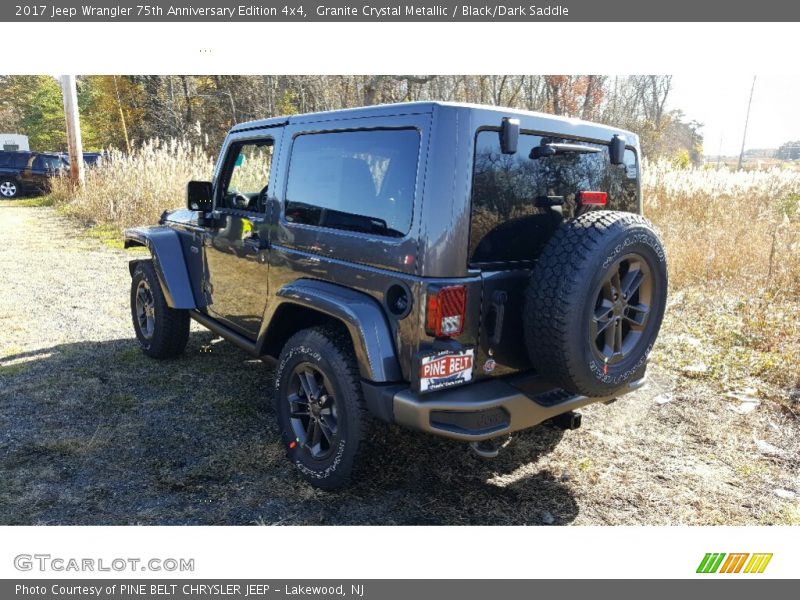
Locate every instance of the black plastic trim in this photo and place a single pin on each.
(229, 334)
(380, 399)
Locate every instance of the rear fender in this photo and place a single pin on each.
(362, 316)
(170, 264)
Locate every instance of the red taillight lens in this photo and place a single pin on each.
(445, 311)
(592, 198)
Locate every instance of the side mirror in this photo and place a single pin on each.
(509, 135)
(616, 149)
(199, 195)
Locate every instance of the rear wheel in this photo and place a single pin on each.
(595, 302)
(9, 189)
(323, 419)
(162, 331)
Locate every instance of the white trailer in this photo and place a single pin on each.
(14, 142)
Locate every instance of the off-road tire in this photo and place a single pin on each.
(329, 351)
(170, 326)
(8, 183)
(564, 297)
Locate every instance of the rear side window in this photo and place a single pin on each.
(354, 180)
(5, 159)
(21, 161)
(511, 193)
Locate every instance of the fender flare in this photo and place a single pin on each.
(170, 265)
(363, 317)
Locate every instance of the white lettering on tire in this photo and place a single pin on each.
(597, 369)
(637, 238)
(328, 471)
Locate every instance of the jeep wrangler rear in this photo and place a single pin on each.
(463, 270)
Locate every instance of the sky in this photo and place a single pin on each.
(719, 101)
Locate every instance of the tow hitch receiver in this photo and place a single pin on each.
(485, 448)
(567, 420)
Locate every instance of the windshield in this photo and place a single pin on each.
(512, 194)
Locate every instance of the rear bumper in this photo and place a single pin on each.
(488, 409)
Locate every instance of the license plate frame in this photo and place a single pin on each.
(442, 369)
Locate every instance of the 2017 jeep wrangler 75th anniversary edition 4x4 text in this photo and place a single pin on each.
(463, 270)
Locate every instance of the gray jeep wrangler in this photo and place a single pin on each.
(463, 270)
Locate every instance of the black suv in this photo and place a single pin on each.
(462, 270)
(24, 173)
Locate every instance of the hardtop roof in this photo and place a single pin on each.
(422, 107)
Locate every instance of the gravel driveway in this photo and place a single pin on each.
(93, 432)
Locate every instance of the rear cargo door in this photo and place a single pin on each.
(518, 203)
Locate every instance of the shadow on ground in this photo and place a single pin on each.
(98, 434)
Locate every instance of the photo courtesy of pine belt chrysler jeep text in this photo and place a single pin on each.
(463, 270)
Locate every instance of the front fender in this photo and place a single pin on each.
(363, 317)
(169, 261)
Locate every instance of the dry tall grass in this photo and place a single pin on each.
(733, 245)
(741, 228)
(134, 189)
(732, 239)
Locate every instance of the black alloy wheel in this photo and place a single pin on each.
(313, 412)
(621, 310)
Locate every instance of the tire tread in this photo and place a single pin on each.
(335, 344)
(172, 328)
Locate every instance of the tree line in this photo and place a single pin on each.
(122, 111)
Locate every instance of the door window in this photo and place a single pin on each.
(247, 176)
(51, 164)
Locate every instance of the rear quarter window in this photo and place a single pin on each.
(510, 217)
(361, 181)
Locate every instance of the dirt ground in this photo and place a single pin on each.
(94, 433)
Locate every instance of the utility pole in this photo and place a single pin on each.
(74, 144)
(746, 121)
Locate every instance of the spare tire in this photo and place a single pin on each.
(595, 302)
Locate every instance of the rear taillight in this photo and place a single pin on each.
(592, 198)
(445, 311)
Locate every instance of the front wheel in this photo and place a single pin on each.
(321, 412)
(162, 331)
(9, 189)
